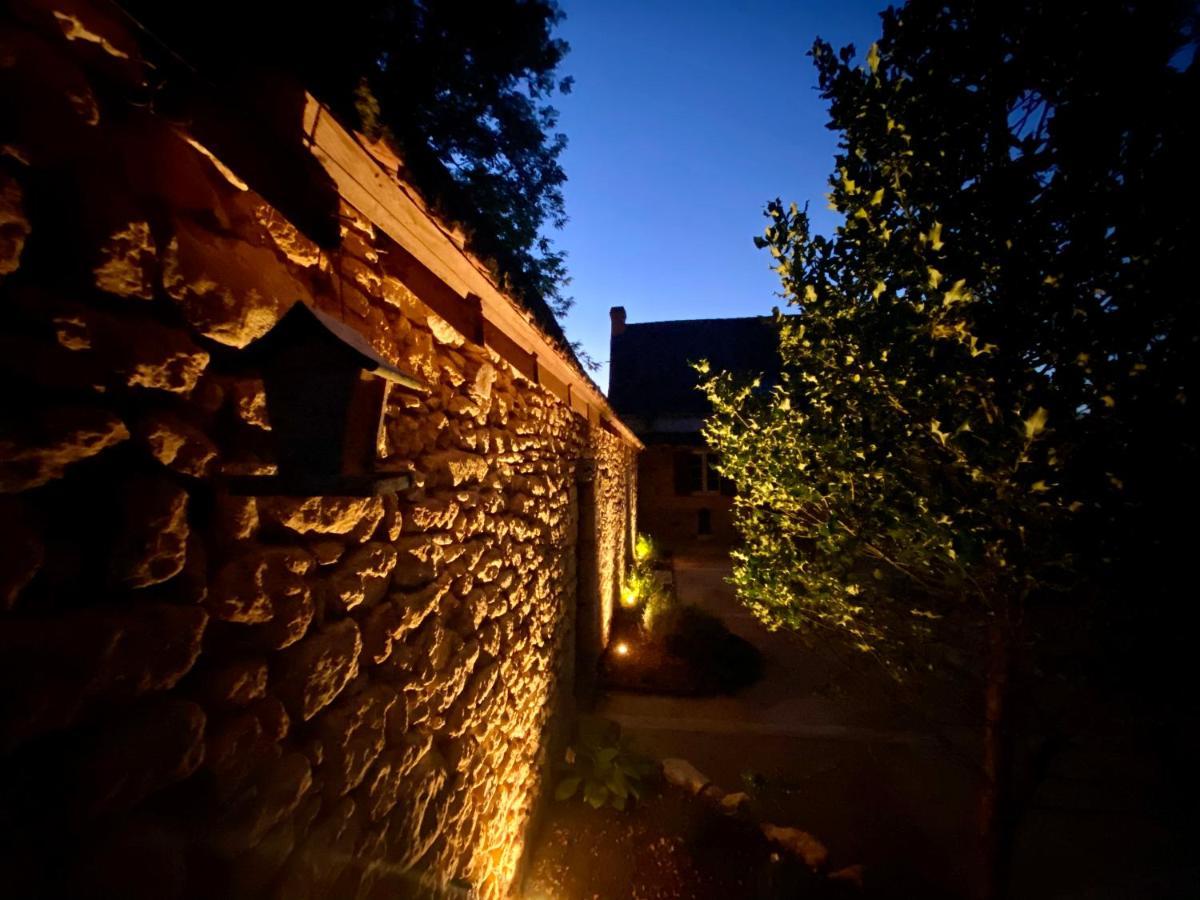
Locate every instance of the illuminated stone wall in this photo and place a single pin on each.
(616, 498)
(208, 695)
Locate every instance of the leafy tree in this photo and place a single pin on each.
(463, 88)
(986, 398)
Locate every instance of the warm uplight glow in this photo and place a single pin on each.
(643, 548)
(621, 648)
(629, 598)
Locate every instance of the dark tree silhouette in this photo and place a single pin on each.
(462, 87)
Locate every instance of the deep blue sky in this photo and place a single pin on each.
(685, 119)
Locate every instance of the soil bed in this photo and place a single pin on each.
(670, 845)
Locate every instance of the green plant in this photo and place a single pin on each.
(603, 765)
(659, 602)
(644, 550)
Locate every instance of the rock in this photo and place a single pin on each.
(363, 577)
(443, 332)
(314, 671)
(455, 468)
(52, 668)
(293, 613)
(235, 745)
(327, 552)
(81, 22)
(127, 262)
(481, 388)
(14, 226)
(177, 444)
(392, 525)
(682, 773)
(274, 718)
(57, 437)
(286, 237)
(409, 834)
(851, 875)
(397, 294)
(416, 562)
(234, 518)
(277, 792)
(132, 350)
(731, 803)
(247, 588)
(352, 731)
(431, 514)
(233, 684)
(385, 782)
(139, 755)
(801, 843)
(151, 546)
(229, 290)
(357, 517)
(249, 398)
(23, 550)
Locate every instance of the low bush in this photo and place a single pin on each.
(602, 763)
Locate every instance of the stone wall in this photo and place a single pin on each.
(205, 694)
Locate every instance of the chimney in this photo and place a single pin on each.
(617, 315)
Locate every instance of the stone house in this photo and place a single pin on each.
(225, 670)
(682, 499)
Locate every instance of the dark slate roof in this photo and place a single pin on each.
(651, 383)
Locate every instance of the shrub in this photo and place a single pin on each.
(719, 659)
(602, 763)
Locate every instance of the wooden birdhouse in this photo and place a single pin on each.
(326, 389)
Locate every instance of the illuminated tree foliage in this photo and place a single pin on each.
(986, 393)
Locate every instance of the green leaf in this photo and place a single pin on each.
(595, 794)
(1035, 424)
(567, 787)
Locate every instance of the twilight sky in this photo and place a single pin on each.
(685, 119)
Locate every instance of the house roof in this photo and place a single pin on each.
(651, 382)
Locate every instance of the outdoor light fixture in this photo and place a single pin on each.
(326, 388)
(621, 648)
(629, 597)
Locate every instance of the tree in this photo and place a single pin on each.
(462, 88)
(986, 399)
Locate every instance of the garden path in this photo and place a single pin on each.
(824, 745)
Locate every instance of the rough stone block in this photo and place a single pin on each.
(357, 517)
(229, 290)
(314, 671)
(176, 443)
(151, 546)
(248, 588)
(132, 350)
(14, 226)
(24, 552)
(233, 684)
(143, 753)
(40, 450)
(363, 577)
(127, 259)
(352, 732)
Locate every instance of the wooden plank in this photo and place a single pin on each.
(382, 198)
(578, 404)
(553, 384)
(512, 352)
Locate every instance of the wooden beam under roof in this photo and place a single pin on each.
(397, 210)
